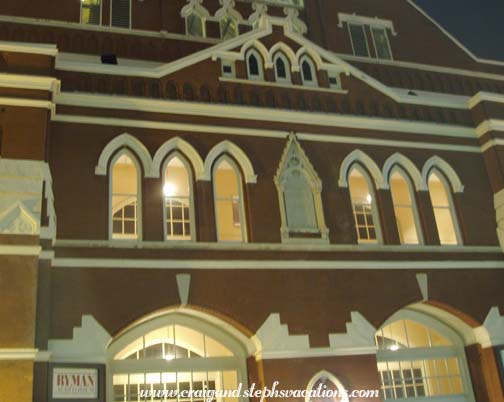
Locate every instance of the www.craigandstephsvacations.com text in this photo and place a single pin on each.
(209, 395)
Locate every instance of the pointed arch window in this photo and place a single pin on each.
(308, 71)
(364, 206)
(282, 68)
(125, 216)
(195, 25)
(327, 382)
(419, 357)
(174, 352)
(444, 211)
(91, 12)
(255, 66)
(228, 199)
(228, 27)
(405, 209)
(178, 199)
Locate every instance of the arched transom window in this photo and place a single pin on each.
(124, 199)
(178, 199)
(416, 360)
(183, 354)
(444, 211)
(228, 198)
(364, 206)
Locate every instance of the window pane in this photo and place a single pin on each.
(177, 195)
(442, 210)
(280, 68)
(195, 25)
(403, 208)
(253, 65)
(381, 43)
(307, 72)
(362, 205)
(124, 200)
(228, 202)
(91, 12)
(299, 203)
(359, 40)
(121, 13)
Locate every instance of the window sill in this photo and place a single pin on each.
(280, 85)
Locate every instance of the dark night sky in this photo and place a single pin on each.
(478, 24)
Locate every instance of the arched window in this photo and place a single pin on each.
(174, 353)
(308, 71)
(444, 211)
(120, 13)
(255, 66)
(195, 25)
(419, 357)
(228, 27)
(228, 199)
(178, 199)
(125, 210)
(403, 197)
(282, 68)
(364, 206)
(327, 382)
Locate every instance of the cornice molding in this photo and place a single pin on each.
(18, 354)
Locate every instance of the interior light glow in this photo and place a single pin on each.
(169, 190)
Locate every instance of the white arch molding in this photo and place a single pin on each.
(186, 149)
(445, 168)
(259, 48)
(126, 141)
(287, 51)
(362, 158)
(408, 166)
(326, 375)
(227, 147)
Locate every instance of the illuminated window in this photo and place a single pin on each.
(416, 360)
(282, 68)
(381, 43)
(178, 201)
(228, 197)
(444, 212)
(364, 206)
(121, 13)
(358, 39)
(308, 71)
(254, 66)
(182, 355)
(195, 25)
(405, 208)
(228, 27)
(91, 12)
(125, 216)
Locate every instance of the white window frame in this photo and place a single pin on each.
(236, 20)
(337, 76)
(203, 24)
(101, 14)
(386, 38)
(449, 194)
(260, 64)
(189, 170)
(314, 71)
(288, 78)
(139, 196)
(130, 15)
(374, 205)
(236, 362)
(231, 64)
(352, 40)
(411, 354)
(414, 206)
(241, 203)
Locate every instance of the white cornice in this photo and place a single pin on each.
(31, 48)
(18, 354)
(30, 82)
(12, 249)
(485, 97)
(41, 104)
(263, 114)
(488, 126)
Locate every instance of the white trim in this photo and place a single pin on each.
(485, 97)
(287, 67)
(260, 65)
(374, 42)
(227, 147)
(362, 20)
(488, 126)
(398, 159)
(284, 84)
(13, 249)
(447, 171)
(39, 83)
(359, 157)
(124, 263)
(315, 81)
(317, 352)
(352, 39)
(492, 143)
(288, 53)
(186, 149)
(332, 378)
(17, 354)
(31, 48)
(126, 141)
(263, 114)
(41, 104)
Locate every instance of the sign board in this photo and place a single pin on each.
(283, 3)
(74, 383)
